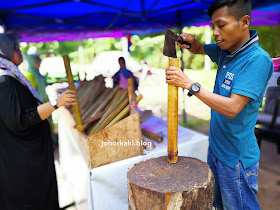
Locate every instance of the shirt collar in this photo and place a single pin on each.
(254, 39)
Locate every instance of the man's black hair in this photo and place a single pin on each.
(121, 58)
(237, 8)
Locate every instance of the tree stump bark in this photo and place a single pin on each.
(158, 185)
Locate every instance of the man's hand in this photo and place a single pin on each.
(175, 76)
(197, 47)
(67, 98)
(186, 37)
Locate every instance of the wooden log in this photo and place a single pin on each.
(76, 108)
(156, 184)
(172, 117)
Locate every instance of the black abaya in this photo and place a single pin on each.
(27, 172)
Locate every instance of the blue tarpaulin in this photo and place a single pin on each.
(47, 20)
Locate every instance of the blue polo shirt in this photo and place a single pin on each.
(245, 72)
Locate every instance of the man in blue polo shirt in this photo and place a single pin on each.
(244, 69)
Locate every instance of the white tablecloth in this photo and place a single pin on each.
(105, 187)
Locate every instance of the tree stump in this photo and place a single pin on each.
(156, 184)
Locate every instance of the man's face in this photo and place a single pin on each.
(228, 32)
(122, 64)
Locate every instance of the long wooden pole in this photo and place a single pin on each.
(172, 117)
(76, 108)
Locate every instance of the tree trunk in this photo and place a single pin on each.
(156, 184)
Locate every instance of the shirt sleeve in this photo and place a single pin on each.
(14, 117)
(212, 50)
(252, 79)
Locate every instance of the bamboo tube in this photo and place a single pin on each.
(109, 111)
(106, 100)
(76, 108)
(95, 90)
(92, 96)
(123, 112)
(94, 104)
(131, 96)
(113, 114)
(90, 92)
(94, 118)
(152, 135)
(172, 156)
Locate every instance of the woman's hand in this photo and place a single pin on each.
(175, 76)
(68, 97)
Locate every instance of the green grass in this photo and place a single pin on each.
(193, 122)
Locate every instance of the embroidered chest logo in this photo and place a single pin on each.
(228, 81)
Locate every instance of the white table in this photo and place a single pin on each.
(105, 187)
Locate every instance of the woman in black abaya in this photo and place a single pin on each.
(27, 172)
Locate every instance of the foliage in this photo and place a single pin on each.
(269, 39)
(91, 48)
(149, 47)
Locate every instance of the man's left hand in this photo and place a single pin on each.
(175, 76)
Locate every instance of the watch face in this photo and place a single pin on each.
(195, 88)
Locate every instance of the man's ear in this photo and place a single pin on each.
(245, 21)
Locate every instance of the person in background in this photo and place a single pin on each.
(27, 172)
(37, 80)
(120, 78)
(244, 70)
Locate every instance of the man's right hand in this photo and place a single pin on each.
(197, 47)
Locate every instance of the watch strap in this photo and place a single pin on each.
(54, 104)
(191, 92)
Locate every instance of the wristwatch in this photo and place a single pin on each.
(54, 104)
(194, 88)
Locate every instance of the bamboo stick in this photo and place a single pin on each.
(110, 110)
(113, 114)
(106, 100)
(152, 135)
(172, 117)
(94, 104)
(76, 108)
(131, 96)
(123, 112)
(93, 118)
(92, 97)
